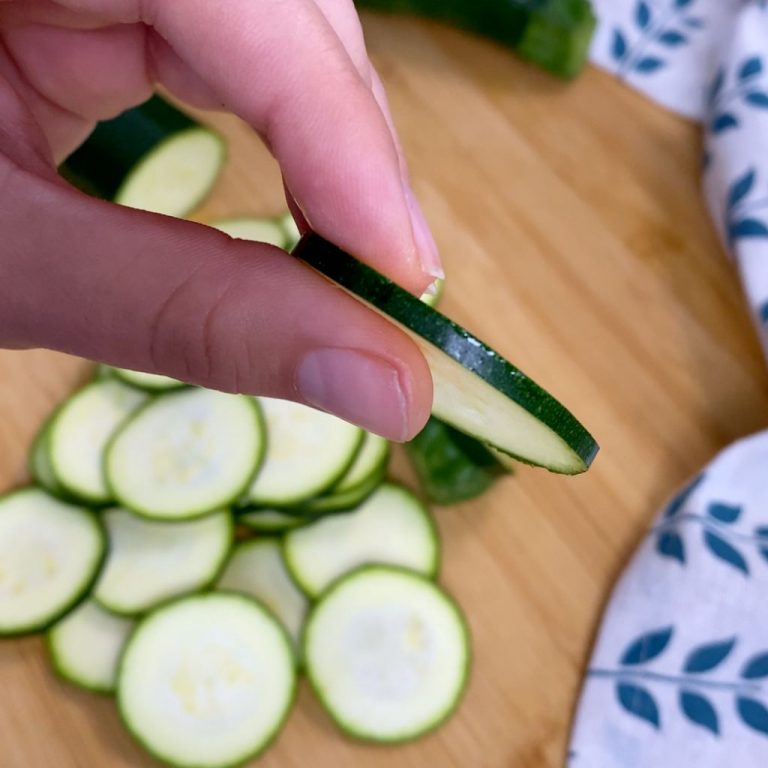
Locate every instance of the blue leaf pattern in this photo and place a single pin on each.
(639, 702)
(670, 544)
(753, 713)
(751, 67)
(717, 85)
(649, 64)
(723, 122)
(642, 15)
(672, 38)
(699, 710)
(725, 513)
(682, 3)
(747, 228)
(721, 549)
(707, 657)
(756, 667)
(619, 47)
(757, 99)
(679, 501)
(647, 647)
(741, 187)
(692, 22)
(764, 318)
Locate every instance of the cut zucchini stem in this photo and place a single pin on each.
(476, 390)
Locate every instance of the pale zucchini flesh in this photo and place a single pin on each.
(269, 520)
(151, 382)
(80, 432)
(207, 681)
(186, 454)
(253, 228)
(151, 561)
(85, 646)
(256, 568)
(307, 452)
(391, 526)
(387, 653)
(50, 554)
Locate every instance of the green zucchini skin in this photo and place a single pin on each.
(343, 501)
(115, 147)
(555, 34)
(451, 466)
(449, 337)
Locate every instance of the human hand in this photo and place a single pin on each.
(158, 294)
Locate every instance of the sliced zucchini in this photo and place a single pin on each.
(360, 480)
(391, 526)
(432, 297)
(207, 681)
(152, 157)
(254, 228)
(269, 520)
(452, 467)
(80, 431)
(86, 644)
(50, 555)
(186, 454)
(475, 389)
(150, 561)
(151, 382)
(387, 653)
(308, 451)
(40, 461)
(292, 234)
(256, 568)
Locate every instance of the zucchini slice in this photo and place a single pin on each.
(85, 646)
(387, 653)
(80, 431)
(152, 157)
(50, 555)
(256, 568)
(207, 681)
(307, 452)
(150, 561)
(150, 382)
(432, 297)
(254, 228)
(391, 526)
(40, 461)
(186, 454)
(269, 520)
(475, 389)
(292, 234)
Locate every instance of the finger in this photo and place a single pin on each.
(158, 294)
(342, 16)
(293, 81)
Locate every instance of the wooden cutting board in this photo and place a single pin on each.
(576, 241)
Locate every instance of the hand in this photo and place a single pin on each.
(149, 292)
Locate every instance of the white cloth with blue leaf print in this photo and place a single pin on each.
(679, 672)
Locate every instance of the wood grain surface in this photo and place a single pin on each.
(575, 240)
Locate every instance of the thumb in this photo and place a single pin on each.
(158, 294)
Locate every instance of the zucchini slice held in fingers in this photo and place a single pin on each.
(387, 652)
(207, 680)
(50, 555)
(476, 390)
(185, 454)
(152, 157)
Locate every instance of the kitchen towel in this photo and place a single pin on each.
(679, 673)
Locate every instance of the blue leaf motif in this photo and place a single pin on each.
(762, 531)
(707, 657)
(672, 38)
(638, 702)
(721, 549)
(649, 64)
(741, 188)
(751, 67)
(678, 502)
(642, 14)
(764, 319)
(682, 3)
(753, 714)
(717, 85)
(619, 45)
(670, 544)
(757, 99)
(699, 710)
(723, 122)
(756, 667)
(647, 646)
(693, 22)
(725, 513)
(747, 228)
